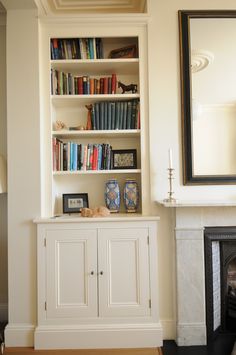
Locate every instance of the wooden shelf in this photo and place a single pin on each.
(125, 133)
(97, 172)
(124, 66)
(75, 100)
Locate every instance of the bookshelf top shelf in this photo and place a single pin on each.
(125, 133)
(98, 66)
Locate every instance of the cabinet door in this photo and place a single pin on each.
(71, 264)
(123, 269)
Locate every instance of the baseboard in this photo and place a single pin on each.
(3, 312)
(122, 336)
(169, 329)
(17, 335)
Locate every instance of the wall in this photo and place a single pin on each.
(23, 172)
(3, 151)
(24, 156)
(165, 132)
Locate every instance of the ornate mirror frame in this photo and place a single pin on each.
(185, 72)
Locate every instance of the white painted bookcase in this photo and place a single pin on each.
(97, 277)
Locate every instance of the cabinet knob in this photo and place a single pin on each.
(92, 273)
(101, 272)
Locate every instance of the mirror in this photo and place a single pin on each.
(208, 103)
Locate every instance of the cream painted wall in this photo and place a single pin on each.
(23, 171)
(24, 154)
(3, 150)
(165, 132)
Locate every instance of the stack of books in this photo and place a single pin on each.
(76, 48)
(110, 115)
(71, 156)
(67, 84)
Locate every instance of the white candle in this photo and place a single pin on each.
(170, 158)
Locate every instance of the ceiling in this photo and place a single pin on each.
(77, 7)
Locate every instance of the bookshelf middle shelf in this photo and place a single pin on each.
(128, 133)
(99, 172)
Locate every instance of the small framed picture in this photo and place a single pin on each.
(72, 203)
(124, 52)
(124, 159)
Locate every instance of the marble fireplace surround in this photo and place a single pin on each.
(190, 268)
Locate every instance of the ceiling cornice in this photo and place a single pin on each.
(90, 7)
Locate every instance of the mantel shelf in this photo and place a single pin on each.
(198, 203)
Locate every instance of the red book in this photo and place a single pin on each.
(80, 85)
(113, 83)
(105, 85)
(101, 85)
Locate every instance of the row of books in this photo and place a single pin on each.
(68, 84)
(71, 156)
(110, 115)
(76, 48)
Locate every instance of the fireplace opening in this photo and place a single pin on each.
(229, 275)
(220, 280)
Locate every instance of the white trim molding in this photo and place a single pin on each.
(19, 334)
(98, 336)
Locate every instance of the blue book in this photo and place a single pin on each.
(113, 114)
(124, 115)
(93, 120)
(129, 114)
(117, 115)
(101, 115)
(91, 52)
(121, 114)
(74, 161)
(109, 115)
(97, 118)
(106, 115)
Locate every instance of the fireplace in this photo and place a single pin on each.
(192, 310)
(220, 280)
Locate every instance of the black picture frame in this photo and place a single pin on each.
(73, 203)
(124, 159)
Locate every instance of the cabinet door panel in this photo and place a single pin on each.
(71, 257)
(123, 259)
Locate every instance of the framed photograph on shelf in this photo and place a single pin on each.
(72, 203)
(124, 159)
(124, 52)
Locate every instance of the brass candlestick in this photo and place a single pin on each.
(170, 199)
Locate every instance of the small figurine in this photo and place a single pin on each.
(89, 117)
(130, 87)
(60, 125)
(100, 211)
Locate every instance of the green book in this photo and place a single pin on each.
(109, 104)
(125, 115)
(129, 114)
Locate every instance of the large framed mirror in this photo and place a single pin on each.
(208, 101)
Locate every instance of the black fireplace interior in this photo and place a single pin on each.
(220, 276)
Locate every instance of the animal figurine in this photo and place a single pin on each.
(130, 87)
(100, 211)
(60, 125)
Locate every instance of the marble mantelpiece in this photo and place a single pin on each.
(190, 269)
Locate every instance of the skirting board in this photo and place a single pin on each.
(148, 336)
(17, 335)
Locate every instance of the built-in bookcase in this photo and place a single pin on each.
(69, 107)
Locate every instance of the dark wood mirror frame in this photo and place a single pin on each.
(185, 56)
